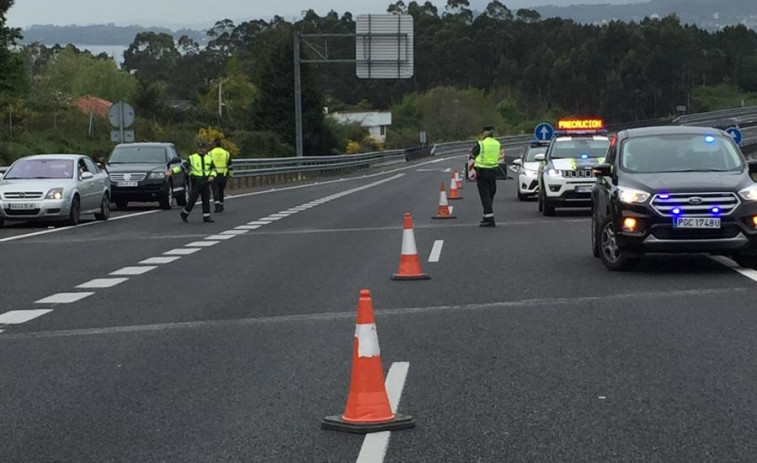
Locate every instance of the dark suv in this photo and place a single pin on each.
(674, 190)
(140, 172)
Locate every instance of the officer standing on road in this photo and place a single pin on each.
(222, 163)
(201, 173)
(486, 156)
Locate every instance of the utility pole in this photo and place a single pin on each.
(220, 97)
(298, 94)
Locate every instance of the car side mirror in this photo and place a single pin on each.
(602, 170)
(753, 167)
(86, 175)
(540, 157)
(176, 160)
(518, 162)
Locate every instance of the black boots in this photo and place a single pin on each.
(487, 222)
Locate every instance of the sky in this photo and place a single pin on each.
(175, 14)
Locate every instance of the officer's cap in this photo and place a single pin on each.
(202, 144)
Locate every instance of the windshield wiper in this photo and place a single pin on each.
(698, 170)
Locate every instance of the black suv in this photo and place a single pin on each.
(141, 172)
(674, 190)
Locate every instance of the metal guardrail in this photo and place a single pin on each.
(244, 168)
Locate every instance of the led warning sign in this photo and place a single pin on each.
(580, 124)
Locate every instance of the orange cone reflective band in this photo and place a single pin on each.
(458, 180)
(368, 408)
(410, 264)
(443, 212)
(453, 194)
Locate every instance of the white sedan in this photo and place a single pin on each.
(527, 168)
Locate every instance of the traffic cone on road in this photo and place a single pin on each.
(453, 194)
(410, 264)
(368, 408)
(443, 212)
(458, 180)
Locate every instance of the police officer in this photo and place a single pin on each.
(201, 173)
(222, 163)
(486, 156)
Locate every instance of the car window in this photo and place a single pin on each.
(91, 166)
(82, 167)
(534, 151)
(138, 155)
(579, 147)
(41, 169)
(680, 153)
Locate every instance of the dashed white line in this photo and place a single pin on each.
(436, 251)
(160, 260)
(102, 283)
(219, 237)
(258, 222)
(17, 317)
(182, 252)
(247, 227)
(64, 298)
(202, 244)
(235, 232)
(747, 272)
(133, 271)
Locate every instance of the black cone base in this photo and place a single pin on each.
(410, 277)
(336, 423)
(442, 217)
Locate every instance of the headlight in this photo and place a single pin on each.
(531, 172)
(553, 173)
(631, 196)
(749, 194)
(55, 193)
(157, 175)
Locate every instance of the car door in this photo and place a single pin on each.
(179, 181)
(90, 197)
(101, 180)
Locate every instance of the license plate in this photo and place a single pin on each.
(696, 222)
(584, 189)
(128, 184)
(23, 206)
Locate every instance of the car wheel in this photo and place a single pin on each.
(594, 240)
(746, 261)
(547, 209)
(122, 204)
(2, 222)
(74, 215)
(183, 198)
(521, 196)
(104, 213)
(541, 202)
(167, 198)
(611, 255)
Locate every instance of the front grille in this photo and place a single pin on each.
(669, 233)
(128, 177)
(695, 204)
(21, 212)
(582, 173)
(23, 195)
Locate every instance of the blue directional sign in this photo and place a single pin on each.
(735, 133)
(544, 132)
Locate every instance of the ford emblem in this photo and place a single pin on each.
(696, 200)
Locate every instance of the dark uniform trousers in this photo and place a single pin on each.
(200, 187)
(486, 181)
(219, 188)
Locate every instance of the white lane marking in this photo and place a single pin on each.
(291, 211)
(17, 317)
(133, 271)
(436, 251)
(181, 252)
(270, 218)
(46, 232)
(202, 244)
(235, 232)
(159, 260)
(280, 215)
(259, 222)
(747, 272)
(64, 298)
(219, 237)
(247, 227)
(375, 445)
(101, 283)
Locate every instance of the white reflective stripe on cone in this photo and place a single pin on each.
(408, 243)
(367, 341)
(452, 184)
(443, 199)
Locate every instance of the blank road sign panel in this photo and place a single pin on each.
(384, 46)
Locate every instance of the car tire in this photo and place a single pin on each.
(167, 199)
(547, 209)
(746, 261)
(521, 196)
(609, 253)
(594, 238)
(541, 202)
(183, 198)
(74, 215)
(121, 204)
(104, 213)
(2, 223)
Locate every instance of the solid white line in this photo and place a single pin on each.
(747, 272)
(436, 251)
(159, 260)
(133, 271)
(202, 244)
(102, 283)
(64, 298)
(16, 317)
(375, 445)
(47, 232)
(219, 237)
(181, 252)
(235, 232)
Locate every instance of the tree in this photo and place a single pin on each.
(397, 8)
(496, 10)
(152, 56)
(527, 15)
(11, 62)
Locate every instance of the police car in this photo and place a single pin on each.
(527, 169)
(565, 177)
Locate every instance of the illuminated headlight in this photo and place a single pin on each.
(749, 194)
(157, 175)
(55, 193)
(553, 173)
(631, 196)
(530, 172)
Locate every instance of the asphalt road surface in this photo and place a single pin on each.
(149, 340)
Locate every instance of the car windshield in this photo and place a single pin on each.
(534, 151)
(41, 169)
(580, 148)
(138, 155)
(680, 153)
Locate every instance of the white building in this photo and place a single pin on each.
(377, 122)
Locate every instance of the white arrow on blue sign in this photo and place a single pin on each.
(544, 131)
(735, 133)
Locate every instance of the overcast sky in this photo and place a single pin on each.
(177, 13)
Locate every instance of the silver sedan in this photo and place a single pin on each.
(54, 187)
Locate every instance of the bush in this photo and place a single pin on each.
(262, 145)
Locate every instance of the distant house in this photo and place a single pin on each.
(377, 122)
(89, 104)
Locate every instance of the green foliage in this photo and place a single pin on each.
(262, 145)
(723, 96)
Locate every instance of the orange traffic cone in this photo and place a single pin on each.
(443, 212)
(368, 408)
(410, 264)
(458, 180)
(453, 194)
